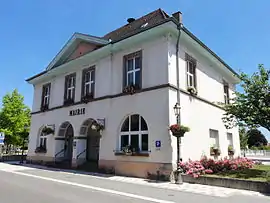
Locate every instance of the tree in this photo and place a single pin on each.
(14, 117)
(243, 137)
(251, 107)
(256, 138)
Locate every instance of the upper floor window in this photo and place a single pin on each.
(70, 83)
(226, 93)
(191, 71)
(132, 69)
(45, 100)
(88, 82)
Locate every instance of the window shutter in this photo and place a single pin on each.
(42, 96)
(140, 55)
(195, 75)
(73, 94)
(124, 72)
(65, 88)
(94, 84)
(83, 83)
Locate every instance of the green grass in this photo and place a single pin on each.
(258, 172)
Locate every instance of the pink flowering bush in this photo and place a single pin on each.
(210, 166)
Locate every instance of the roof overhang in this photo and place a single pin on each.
(92, 57)
(169, 24)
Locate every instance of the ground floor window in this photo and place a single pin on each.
(43, 141)
(134, 133)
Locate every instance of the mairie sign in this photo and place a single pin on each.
(2, 138)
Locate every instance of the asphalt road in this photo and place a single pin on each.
(55, 187)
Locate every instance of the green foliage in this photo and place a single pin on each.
(243, 137)
(252, 106)
(256, 138)
(14, 117)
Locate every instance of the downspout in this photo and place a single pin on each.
(179, 27)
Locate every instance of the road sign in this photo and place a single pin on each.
(2, 138)
(158, 144)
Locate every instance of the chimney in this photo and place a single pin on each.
(130, 20)
(178, 16)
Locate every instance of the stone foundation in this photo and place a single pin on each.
(136, 169)
(39, 158)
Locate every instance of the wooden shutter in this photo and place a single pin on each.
(94, 84)
(124, 71)
(42, 96)
(73, 94)
(65, 88)
(83, 83)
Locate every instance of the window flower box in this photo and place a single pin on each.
(87, 98)
(230, 151)
(178, 130)
(192, 90)
(97, 126)
(41, 149)
(131, 89)
(44, 107)
(129, 151)
(68, 102)
(215, 151)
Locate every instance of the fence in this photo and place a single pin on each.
(256, 153)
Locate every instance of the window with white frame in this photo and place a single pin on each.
(134, 133)
(132, 69)
(214, 138)
(70, 87)
(191, 71)
(226, 92)
(46, 90)
(43, 140)
(88, 86)
(230, 139)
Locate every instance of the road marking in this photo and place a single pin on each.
(95, 188)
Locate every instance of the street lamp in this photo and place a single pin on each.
(24, 134)
(177, 175)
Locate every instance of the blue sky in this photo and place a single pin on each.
(32, 32)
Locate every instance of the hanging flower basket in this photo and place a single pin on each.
(179, 130)
(47, 130)
(97, 126)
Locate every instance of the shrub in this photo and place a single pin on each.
(209, 166)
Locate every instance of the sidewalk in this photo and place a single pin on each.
(185, 187)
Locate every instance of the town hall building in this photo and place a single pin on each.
(102, 94)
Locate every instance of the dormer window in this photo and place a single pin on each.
(45, 100)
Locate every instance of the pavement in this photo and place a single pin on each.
(29, 183)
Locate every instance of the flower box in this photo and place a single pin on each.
(40, 150)
(192, 90)
(44, 107)
(87, 98)
(68, 102)
(214, 151)
(131, 89)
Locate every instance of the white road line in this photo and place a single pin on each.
(94, 188)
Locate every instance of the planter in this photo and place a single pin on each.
(214, 152)
(178, 134)
(230, 153)
(87, 98)
(41, 150)
(131, 89)
(257, 186)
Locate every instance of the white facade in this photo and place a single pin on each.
(154, 103)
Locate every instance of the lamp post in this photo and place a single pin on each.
(24, 137)
(177, 175)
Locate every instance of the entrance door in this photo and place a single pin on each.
(68, 153)
(93, 148)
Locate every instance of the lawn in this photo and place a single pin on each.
(258, 172)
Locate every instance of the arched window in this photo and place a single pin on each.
(134, 132)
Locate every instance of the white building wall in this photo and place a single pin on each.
(197, 114)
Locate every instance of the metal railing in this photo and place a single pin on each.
(78, 156)
(57, 154)
(256, 153)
